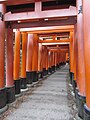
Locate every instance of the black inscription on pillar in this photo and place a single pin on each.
(80, 10)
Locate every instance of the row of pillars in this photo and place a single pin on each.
(80, 60)
(24, 60)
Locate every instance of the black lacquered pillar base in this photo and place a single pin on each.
(60, 64)
(53, 68)
(29, 77)
(74, 85)
(34, 76)
(86, 113)
(71, 77)
(3, 98)
(50, 70)
(76, 96)
(17, 86)
(81, 100)
(57, 66)
(40, 74)
(45, 72)
(10, 94)
(23, 83)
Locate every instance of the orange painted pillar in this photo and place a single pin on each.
(86, 13)
(49, 62)
(23, 61)
(67, 57)
(58, 59)
(55, 59)
(64, 56)
(40, 57)
(61, 57)
(52, 60)
(75, 65)
(71, 51)
(46, 60)
(2, 48)
(81, 62)
(29, 59)
(35, 58)
(17, 62)
(9, 66)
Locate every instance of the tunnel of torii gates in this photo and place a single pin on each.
(25, 57)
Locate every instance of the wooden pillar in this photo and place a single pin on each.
(71, 51)
(46, 60)
(75, 65)
(71, 46)
(17, 61)
(66, 56)
(35, 58)
(29, 59)
(23, 61)
(49, 62)
(40, 67)
(61, 57)
(9, 66)
(58, 58)
(86, 13)
(2, 48)
(39, 56)
(53, 59)
(81, 62)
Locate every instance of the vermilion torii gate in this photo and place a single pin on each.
(37, 58)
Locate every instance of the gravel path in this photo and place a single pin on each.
(48, 100)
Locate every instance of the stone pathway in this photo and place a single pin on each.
(49, 101)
